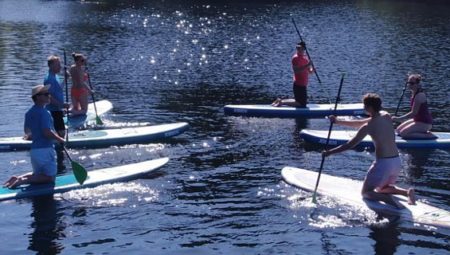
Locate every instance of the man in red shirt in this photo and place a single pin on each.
(301, 67)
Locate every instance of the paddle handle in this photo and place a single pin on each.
(328, 138)
(306, 50)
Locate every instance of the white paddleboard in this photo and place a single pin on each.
(105, 137)
(349, 191)
(79, 121)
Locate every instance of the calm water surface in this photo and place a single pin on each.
(222, 192)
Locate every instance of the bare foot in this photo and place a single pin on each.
(411, 196)
(9, 183)
(277, 102)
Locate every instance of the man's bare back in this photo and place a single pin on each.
(381, 129)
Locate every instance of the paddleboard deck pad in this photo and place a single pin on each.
(68, 182)
(105, 137)
(339, 137)
(312, 110)
(80, 121)
(348, 191)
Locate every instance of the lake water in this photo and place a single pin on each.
(222, 191)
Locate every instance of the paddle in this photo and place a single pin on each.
(67, 93)
(306, 50)
(97, 118)
(78, 170)
(401, 98)
(328, 139)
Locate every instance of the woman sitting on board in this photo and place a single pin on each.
(383, 173)
(80, 89)
(418, 121)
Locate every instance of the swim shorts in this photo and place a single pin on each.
(43, 161)
(383, 172)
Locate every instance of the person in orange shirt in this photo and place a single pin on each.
(302, 67)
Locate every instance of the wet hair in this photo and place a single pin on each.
(372, 100)
(416, 78)
(77, 56)
(51, 59)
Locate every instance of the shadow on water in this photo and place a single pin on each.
(47, 226)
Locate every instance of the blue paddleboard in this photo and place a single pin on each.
(339, 137)
(311, 111)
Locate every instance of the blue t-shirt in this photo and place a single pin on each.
(56, 90)
(37, 119)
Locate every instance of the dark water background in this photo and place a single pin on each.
(222, 192)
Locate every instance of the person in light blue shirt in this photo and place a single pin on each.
(39, 128)
(56, 105)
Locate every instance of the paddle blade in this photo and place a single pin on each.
(314, 200)
(79, 172)
(98, 121)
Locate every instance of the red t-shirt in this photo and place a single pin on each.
(301, 78)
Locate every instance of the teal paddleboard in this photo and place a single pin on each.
(67, 182)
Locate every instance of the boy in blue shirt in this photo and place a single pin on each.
(39, 128)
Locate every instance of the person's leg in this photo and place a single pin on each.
(376, 177)
(417, 130)
(409, 193)
(403, 125)
(300, 96)
(84, 101)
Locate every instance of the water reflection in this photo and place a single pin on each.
(47, 226)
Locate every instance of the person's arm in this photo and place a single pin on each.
(348, 123)
(27, 133)
(418, 101)
(362, 132)
(50, 134)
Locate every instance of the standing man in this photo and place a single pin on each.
(56, 105)
(39, 128)
(383, 173)
(301, 66)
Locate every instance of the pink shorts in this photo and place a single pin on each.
(383, 172)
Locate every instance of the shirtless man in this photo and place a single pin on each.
(383, 173)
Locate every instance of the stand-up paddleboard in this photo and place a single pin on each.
(312, 110)
(339, 137)
(68, 182)
(349, 192)
(78, 121)
(105, 137)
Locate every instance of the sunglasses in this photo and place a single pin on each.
(43, 94)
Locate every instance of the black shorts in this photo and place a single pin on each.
(300, 94)
(58, 120)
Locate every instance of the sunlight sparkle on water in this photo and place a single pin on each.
(328, 221)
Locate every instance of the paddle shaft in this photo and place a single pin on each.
(401, 98)
(328, 138)
(306, 50)
(93, 97)
(67, 93)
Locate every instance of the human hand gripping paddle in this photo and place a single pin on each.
(306, 50)
(98, 121)
(401, 98)
(78, 170)
(328, 140)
